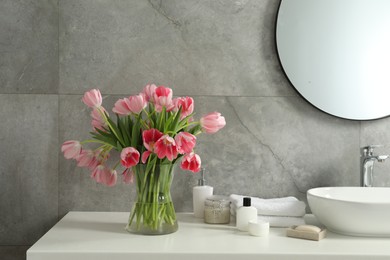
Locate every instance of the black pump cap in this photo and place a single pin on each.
(247, 202)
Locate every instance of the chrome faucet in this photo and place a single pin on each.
(367, 164)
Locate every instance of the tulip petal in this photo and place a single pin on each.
(145, 156)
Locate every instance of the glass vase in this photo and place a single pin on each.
(153, 212)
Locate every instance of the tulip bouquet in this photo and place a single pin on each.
(152, 132)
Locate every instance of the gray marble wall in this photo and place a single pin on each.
(220, 52)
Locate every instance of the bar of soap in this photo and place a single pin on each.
(309, 228)
(306, 232)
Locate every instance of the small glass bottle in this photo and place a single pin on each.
(217, 210)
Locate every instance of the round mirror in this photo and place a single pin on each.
(336, 53)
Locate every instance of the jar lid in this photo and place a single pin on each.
(217, 201)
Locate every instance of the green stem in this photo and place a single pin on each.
(198, 132)
(187, 125)
(144, 124)
(154, 204)
(116, 165)
(110, 126)
(94, 141)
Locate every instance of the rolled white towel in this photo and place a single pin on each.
(278, 221)
(287, 206)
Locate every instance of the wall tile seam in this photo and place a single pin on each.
(58, 157)
(28, 94)
(58, 108)
(279, 160)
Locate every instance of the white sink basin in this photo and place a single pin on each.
(356, 211)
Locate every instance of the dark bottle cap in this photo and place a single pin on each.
(247, 202)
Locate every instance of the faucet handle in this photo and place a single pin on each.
(368, 150)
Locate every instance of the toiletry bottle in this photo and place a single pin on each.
(245, 214)
(199, 195)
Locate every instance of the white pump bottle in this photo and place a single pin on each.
(199, 195)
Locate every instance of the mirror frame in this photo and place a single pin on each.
(362, 107)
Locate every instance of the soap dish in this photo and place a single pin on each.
(306, 234)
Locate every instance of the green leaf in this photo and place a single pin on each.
(135, 133)
(183, 124)
(119, 147)
(106, 140)
(176, 121)
(161, 120)
(103, 135)
(195, 129)
(114, 129)
(107, 134)
(152, 116)
(129, 125)
(168, 123)
(171, 119)
(123, 130)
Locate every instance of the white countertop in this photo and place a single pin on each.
(101, 235)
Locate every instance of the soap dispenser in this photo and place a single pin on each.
(199, 195)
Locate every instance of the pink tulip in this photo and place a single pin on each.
(163, 98)
(98, 121)
(166, 147)
(185, 142)
(122, 107)
(101, 174)
(191, 162)
(71, 149)
(128, 176)
(133, 104)
(150, 137)
(98, 173)
(149, 91)
(110, 177)
(87, 159)
(92, 98)
(137, 103)
(186, 104)
(212, 122)
(129, 157)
